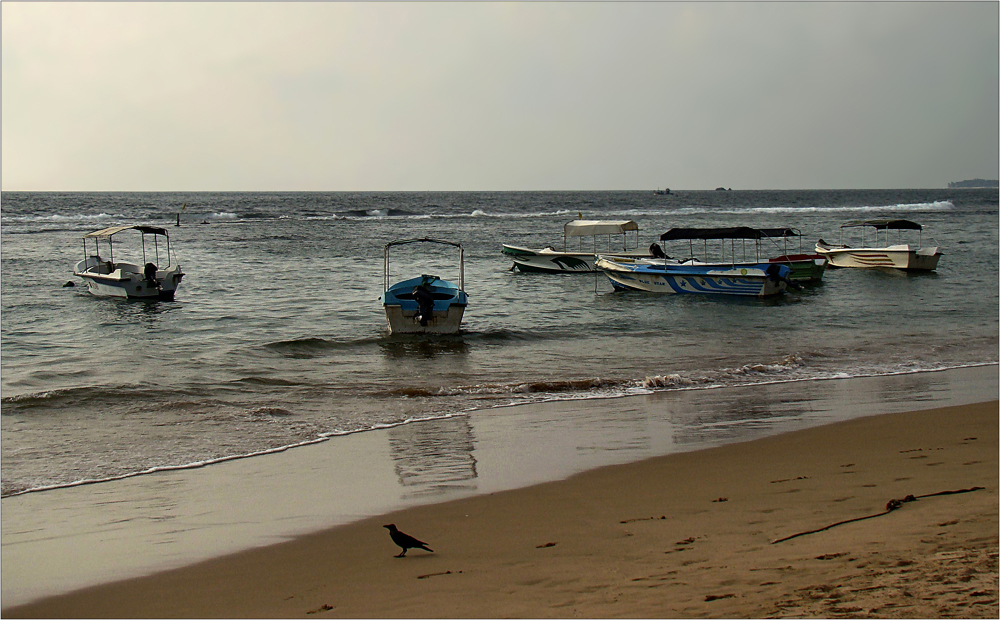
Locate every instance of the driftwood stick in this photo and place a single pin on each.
(892, 504)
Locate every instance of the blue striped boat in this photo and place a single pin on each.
(664, 276)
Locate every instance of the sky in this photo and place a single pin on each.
(484, 96)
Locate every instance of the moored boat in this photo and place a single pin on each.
(551, 260)
(751, 274)
(665, 276)
(804, 268)
(867, 256)
(107, 277)
(425, 304)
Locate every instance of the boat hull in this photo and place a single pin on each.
(403, 312)
(548, 260)
(126, 282)
(751, 281)
(403, 321)
(893, 257)
(805, 267)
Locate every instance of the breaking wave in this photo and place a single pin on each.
(787, 369)
(790, 368)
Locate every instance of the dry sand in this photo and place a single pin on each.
(685, 535)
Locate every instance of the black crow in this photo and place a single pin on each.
(405, 540)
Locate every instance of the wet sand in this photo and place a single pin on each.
(681, 535)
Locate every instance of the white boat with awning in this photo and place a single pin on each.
(110, 277)
(877, 252)
(607, 237)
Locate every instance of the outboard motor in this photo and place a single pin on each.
(779, 273)
(149, 272)
(425, 304)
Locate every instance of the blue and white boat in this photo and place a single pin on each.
(664, 276)
(746, 246)
(107, 276)
(425, 304)
(751, 275)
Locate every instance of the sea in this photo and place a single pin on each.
(276, 337)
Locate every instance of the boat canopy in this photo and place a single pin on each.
(738, 232)
(781, 232)
(422, 240)
(107, 232)
(461, 258)
(885, 224)
(588, 228)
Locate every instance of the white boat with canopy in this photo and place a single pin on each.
(108, 277)
(593, 237)
(877, 252)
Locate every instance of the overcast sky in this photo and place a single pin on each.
(498, 96)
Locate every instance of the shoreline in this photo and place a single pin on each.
(682, 535)
(514, 405)
(174, 519)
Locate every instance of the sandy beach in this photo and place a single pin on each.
(683, 535)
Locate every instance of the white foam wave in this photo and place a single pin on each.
(937, 206)
(323, 437)
(941, 205)
(62, 219)
(747, 372)
(513, 216)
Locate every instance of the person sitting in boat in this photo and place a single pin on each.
(425, 303)
(656, 251)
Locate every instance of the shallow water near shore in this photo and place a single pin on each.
(276, 337)
(143, 524)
